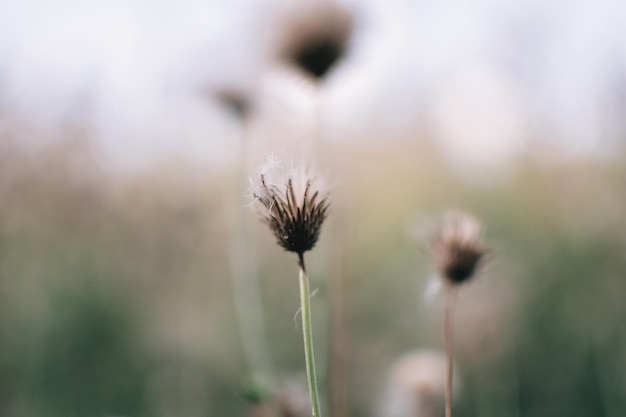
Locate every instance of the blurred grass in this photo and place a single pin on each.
(115, 293)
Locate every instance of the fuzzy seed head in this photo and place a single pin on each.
(237, 102)
(294, 210)
(317, 38)
(416, 385)
(456, 248)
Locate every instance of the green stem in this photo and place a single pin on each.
(308, 338)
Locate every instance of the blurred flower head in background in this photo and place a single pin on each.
(457, 248)
(483, 81)
(415, 385)
(236, 101)
(314, 36)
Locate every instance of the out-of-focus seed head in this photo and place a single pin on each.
(457, 248)
(416, 386)
(316, 38)
(293, 208)
(236, 102)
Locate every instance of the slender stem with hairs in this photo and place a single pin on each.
(448, 333)
(308, 337)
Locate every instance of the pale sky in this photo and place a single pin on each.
(482, 77)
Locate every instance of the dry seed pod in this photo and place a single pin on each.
(316, 37)
(457, 248)
(294, 209)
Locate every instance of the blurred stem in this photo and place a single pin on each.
(339, 315)
(320, 131)
(337, 368)
(307, 333)
(448, 342)
(246, 291)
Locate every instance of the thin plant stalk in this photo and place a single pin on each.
(339, 315)
(448, 343)
(339, 340)
(249, 310)
(318, 124)
(246, 291)
(336, 367)
(308, 338)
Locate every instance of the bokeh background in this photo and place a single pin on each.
(136, 279)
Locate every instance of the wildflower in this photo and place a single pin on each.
(457, 249)
(294, 213)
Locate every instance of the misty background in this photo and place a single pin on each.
(483, 77)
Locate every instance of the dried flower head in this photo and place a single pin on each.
(236, 102)
(294, 210)
(416, 385)
(456, 248)
(316, 37)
